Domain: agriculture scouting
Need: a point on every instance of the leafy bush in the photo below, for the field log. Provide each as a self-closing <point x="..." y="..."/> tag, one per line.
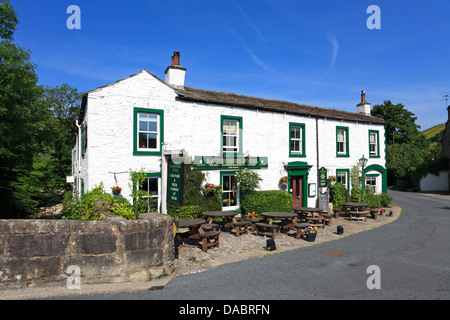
<point x="96" y="202"/>
<point x="247" y="180"/>
<point x="267" y="201"/>
<point x="386" y="199"/>
<point x="356" y="194"/>
<point x="185" y="212"/>
<point x="373" y="200"/>
<point x="338" y="194"/>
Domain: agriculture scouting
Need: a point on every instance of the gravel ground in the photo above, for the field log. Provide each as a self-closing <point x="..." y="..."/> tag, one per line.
<point x="191" y="259"/>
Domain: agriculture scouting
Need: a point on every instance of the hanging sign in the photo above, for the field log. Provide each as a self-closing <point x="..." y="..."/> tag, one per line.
<point x="322" y="177"/>
<point x="175" y="183"/>
<point x="230" y="162"/>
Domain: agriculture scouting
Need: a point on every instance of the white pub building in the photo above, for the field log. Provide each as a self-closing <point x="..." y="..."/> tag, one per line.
<point x="140" y="122"/>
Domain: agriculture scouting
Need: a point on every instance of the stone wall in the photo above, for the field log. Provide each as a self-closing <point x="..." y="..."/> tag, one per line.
<point x="41" y="251"/>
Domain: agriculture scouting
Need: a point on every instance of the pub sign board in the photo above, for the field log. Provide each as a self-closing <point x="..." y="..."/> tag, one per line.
<point x="230" y="162"/>
<point x="322" y="177"/>
<point x="175" y="183"/>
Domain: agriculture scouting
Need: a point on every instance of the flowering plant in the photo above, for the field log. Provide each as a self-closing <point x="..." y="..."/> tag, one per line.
<point x="253" y="215"/>
<point x="283" y="180"/>
<point x="116" y="189"/>
<point x="209" y="187"/>
<point x="310" y="230"/>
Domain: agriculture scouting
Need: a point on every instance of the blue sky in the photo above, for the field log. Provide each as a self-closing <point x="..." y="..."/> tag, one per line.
<point x="313" y="52"/>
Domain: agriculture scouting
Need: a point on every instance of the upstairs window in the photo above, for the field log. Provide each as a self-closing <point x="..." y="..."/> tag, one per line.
<point x="342" y="147"/>
<point x="231" y="134"/>
<point x="148" y="131"/>
<point x="297" y="140"/>
<point x="373" y="144"/>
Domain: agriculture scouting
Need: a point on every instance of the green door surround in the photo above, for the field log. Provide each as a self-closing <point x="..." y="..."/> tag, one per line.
<point x="380" y="169"/>
<point x="299" y="169"/>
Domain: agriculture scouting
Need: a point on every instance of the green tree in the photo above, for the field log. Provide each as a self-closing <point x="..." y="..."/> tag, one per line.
<point x="407" y="149"/>
<point x="21" y="115"/>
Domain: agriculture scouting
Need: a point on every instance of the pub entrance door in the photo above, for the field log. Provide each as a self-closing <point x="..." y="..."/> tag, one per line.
<point x="296" y="182"/>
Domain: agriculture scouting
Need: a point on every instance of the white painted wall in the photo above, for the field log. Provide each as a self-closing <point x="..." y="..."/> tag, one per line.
<point x="433" y="182"/>
<point x="195" y="127"/>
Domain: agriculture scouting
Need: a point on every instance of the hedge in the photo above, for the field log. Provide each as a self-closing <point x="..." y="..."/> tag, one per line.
<point x="267" y="201"/>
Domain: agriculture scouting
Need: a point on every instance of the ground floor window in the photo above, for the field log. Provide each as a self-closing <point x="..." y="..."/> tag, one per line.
<point x="371" y="182"/>
<point x="230" y="193"/>
<point x="342" y="177"/>
<point x="152" y="186"/>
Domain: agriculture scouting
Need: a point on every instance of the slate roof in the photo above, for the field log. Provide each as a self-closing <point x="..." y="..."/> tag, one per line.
<point x="237" y="100"/>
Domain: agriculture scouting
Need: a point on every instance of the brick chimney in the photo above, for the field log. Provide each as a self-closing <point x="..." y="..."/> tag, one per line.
<point x="363" y="107"/>
<point x="175" y="73"/>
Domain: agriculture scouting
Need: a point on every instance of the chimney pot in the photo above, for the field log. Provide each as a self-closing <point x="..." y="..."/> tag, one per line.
<point x="363" y="96"/>
<point x="176" y="58"/>
<point x="175" y="73"/>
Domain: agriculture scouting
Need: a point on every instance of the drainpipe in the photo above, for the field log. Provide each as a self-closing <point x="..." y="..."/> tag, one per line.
<point x="78" y="165"/>
<point x="317" y="156"/>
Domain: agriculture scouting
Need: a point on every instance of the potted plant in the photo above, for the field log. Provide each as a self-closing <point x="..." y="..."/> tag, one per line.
<point x="310" y="233"/>
<point x="283" y="183"/>
<point x="116" y="190"/>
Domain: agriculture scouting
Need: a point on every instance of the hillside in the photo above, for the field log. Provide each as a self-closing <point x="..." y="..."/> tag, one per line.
<point x="433" y="131"/>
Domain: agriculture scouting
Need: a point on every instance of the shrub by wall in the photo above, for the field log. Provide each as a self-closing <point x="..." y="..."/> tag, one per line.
<point x="267" y="201"/>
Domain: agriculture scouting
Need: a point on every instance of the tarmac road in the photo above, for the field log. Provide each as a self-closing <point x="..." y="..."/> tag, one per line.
<point x="411" y="259"/>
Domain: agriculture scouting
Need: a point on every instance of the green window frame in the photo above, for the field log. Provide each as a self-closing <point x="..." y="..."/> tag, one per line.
<point x="342" y="142"/>
<point x="297" y="140"/>
<point x="375" y="143"/>
<point x="83" y="139"/>
<point x="159" y="132"/>
<point x="236" y="206"/>
<point x="347" y="177"/>
<point x="224" y="135"/>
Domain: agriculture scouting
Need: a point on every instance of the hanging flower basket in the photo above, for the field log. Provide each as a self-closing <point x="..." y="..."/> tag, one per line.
<point x="116" y="190"/>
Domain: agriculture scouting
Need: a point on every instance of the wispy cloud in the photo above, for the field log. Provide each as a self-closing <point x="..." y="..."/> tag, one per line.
<point x="250" y="22"/>
<point x="333" y="40"/>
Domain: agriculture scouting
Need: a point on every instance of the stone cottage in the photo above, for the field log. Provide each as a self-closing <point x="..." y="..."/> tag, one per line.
<point x="144" y="122"/>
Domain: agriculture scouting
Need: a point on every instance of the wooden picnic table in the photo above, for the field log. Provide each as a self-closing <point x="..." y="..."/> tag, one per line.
<point x="194" y="225"/>
<point x="226" y="216"/>
<point x="355" y="205"/>
<point x="288" y="219"/>
<point x="303" y="212"/>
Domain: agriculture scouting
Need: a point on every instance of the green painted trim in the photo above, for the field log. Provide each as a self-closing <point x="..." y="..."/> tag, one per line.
<point x="83" y="138"/>
<point x="298" y="155"/>
<point x="381" y="170"/>
<point x="378" y="143"/>
<point x="299" y="168"/>
<point x="348" y="176"/>
<point x="222" y="173"/>
<point x="241" y="134"/>
<point x="347" y="142"/>
<point x="137" y="152"/>
<point x="148" y="174"/>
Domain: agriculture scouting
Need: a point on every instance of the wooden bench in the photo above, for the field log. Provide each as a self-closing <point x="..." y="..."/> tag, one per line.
<point x="300" y="229"/>
<point x="266" y="229"/>
<point x="241" y="227"/>
<point x="358" y="215"/>
<point x="328" y="218"/>
<point x="315" y="222"/>
<point x="210" y="226"/>
<point x="209" y="239"/>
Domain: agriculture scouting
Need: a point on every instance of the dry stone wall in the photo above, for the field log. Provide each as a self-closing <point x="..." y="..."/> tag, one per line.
<point x="44" y="251"/>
